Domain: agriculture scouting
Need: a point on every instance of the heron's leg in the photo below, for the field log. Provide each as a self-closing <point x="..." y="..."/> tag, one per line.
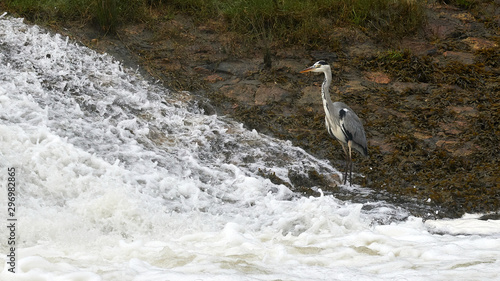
<point x="346" y="166"/>
<point x="349" y="143"/>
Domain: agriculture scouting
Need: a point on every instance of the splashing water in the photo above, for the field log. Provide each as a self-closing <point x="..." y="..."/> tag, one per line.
<point x="118" y="179"/>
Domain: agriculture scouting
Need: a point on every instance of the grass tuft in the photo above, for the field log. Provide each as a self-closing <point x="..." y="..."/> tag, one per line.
<point x="305" y="22"/>
<point x="107" y="14"/>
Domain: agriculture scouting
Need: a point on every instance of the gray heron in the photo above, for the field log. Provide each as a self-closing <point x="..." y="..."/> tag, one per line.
<point x="341" y="121"/>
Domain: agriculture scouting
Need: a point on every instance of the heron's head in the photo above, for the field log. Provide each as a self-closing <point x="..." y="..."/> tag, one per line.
<point x="319" y="66"/>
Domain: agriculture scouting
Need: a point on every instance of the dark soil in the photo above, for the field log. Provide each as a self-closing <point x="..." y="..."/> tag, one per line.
<point x="430" y="103"/>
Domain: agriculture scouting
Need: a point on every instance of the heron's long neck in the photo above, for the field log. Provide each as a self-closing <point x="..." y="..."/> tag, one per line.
<point x="325" y="88"/>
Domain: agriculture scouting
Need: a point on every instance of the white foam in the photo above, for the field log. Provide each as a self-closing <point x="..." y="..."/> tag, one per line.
<point x="469" y="224"/>
<point x="118" y="181"/>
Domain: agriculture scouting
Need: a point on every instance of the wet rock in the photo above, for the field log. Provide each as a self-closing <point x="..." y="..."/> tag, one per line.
<point x="377" y="77"/>
<point x="442" y="22"/>
<point x="170" y="66"/>
<point x="242" y="93"/>
<point x="479" y="43"/>
<point x="213" y="78"/>
<point x="440" y="28"/>
<point x="418" y="47"/>
<point x="465" y="58"/>
<point x="237" y="68"/>
<point x="464" y="17"/>
<point x="400" y="87"/>
<point x="427" y="119"/>
<point x="449" y="145"/>
<point x="366" y="49"/>
<point x="268" y="94"/>
<point x="453" y="128"/>
<point x="330" y="57"/>
<point x="353" y="86"/>
<point x="294" y="66"/>
<point x="464" y="110"/>
<point x="203" y="69"/>
<point x="380" y="142"/>
<point x="422" y="136"/>
<point x="310" y="95"/>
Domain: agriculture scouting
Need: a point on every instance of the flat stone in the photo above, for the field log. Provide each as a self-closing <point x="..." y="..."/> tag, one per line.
<point x="242" y="93"/>
<point x="465" y="150"/>
<point x="238" y="68"/>
<point x="403" y="86"/>
<point x="465" y="17"/>
<point x="440" y="28"/>
<point x="384" y="146"/>
<point x="457" y="149"/>
<point x="202" y="69"/>
<point x="213" y="78"/>
<point x="447" y="144"/>
<point x="169" y="66"/>
<point x="377" y="77"/>
<point x="421" y="136"/>
<point x="267" y="94"/>
<point x="329" y="57"/>
<point x="353" y="86"/>
<point x="453" y="128"/>
<point x="479" y="43"/>
<point x="464" y="110"/>
<point x="363" y="50"/>
<point x="465" y="58"/>
<point x="418" y="47"/>
<point x="293" y="64"/>
<point x="310" y="96"/>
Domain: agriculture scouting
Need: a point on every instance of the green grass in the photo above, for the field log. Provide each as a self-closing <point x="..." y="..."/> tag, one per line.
<point x="309" y="23"/>
<point x="304" y="22"/>
<point x="463" y="4"/>
<point x="107" y="14"/>
<point x="46" y="10"/>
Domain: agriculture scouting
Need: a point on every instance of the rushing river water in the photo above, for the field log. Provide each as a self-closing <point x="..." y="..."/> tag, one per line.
<point x="116" y="178"/>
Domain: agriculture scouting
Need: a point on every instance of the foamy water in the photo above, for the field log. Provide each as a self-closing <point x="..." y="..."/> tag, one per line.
<point x="118" y="179"/>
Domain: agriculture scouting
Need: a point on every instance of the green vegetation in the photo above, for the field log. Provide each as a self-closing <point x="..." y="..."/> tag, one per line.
<point x="304" y="22"/>
<point x="107" y="14"/>
<point x="464" y="4"/>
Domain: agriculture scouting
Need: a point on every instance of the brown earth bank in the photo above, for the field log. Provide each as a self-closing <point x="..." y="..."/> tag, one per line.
<point x="430" y="103"/>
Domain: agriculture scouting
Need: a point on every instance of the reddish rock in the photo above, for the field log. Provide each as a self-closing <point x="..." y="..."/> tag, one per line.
<point x="457" y="149"/>
<point x="439" y="28"/>
<point x="310" y="96"/>
<point x="352" y="86"/>
<point x="453" y="128"/>
<point x="267" y="94"/>
<point x="464" y="17"/>
<point x="377" y="77"/>
<point x="418" y="47"/>
<point x="421" y="136"/>
<point x="449" y="145"/>
<point x="169" y="66"/>
<point x="464" y="110"/>
<point x="213" y="78"/>
<point x="366" y="49"/>
<point x="465" y="150"/>
<point x="465" y="58"/>
<point x="384" y="146"/>
<point x="202" y="70"/>
<point x="403" y="86"/>
<point x="243" y="93"/>
<point x="479" y="43"/>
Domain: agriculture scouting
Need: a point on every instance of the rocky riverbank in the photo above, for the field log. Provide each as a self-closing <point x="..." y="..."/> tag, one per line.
<point x="430" y="103"/>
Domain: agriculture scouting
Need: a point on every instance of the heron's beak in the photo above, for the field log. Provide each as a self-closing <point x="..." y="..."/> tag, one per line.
<point x="307" y="69"/>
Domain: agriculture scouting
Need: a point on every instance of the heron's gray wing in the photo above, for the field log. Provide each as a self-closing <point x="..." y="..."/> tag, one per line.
<point x="353" y="129"/>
